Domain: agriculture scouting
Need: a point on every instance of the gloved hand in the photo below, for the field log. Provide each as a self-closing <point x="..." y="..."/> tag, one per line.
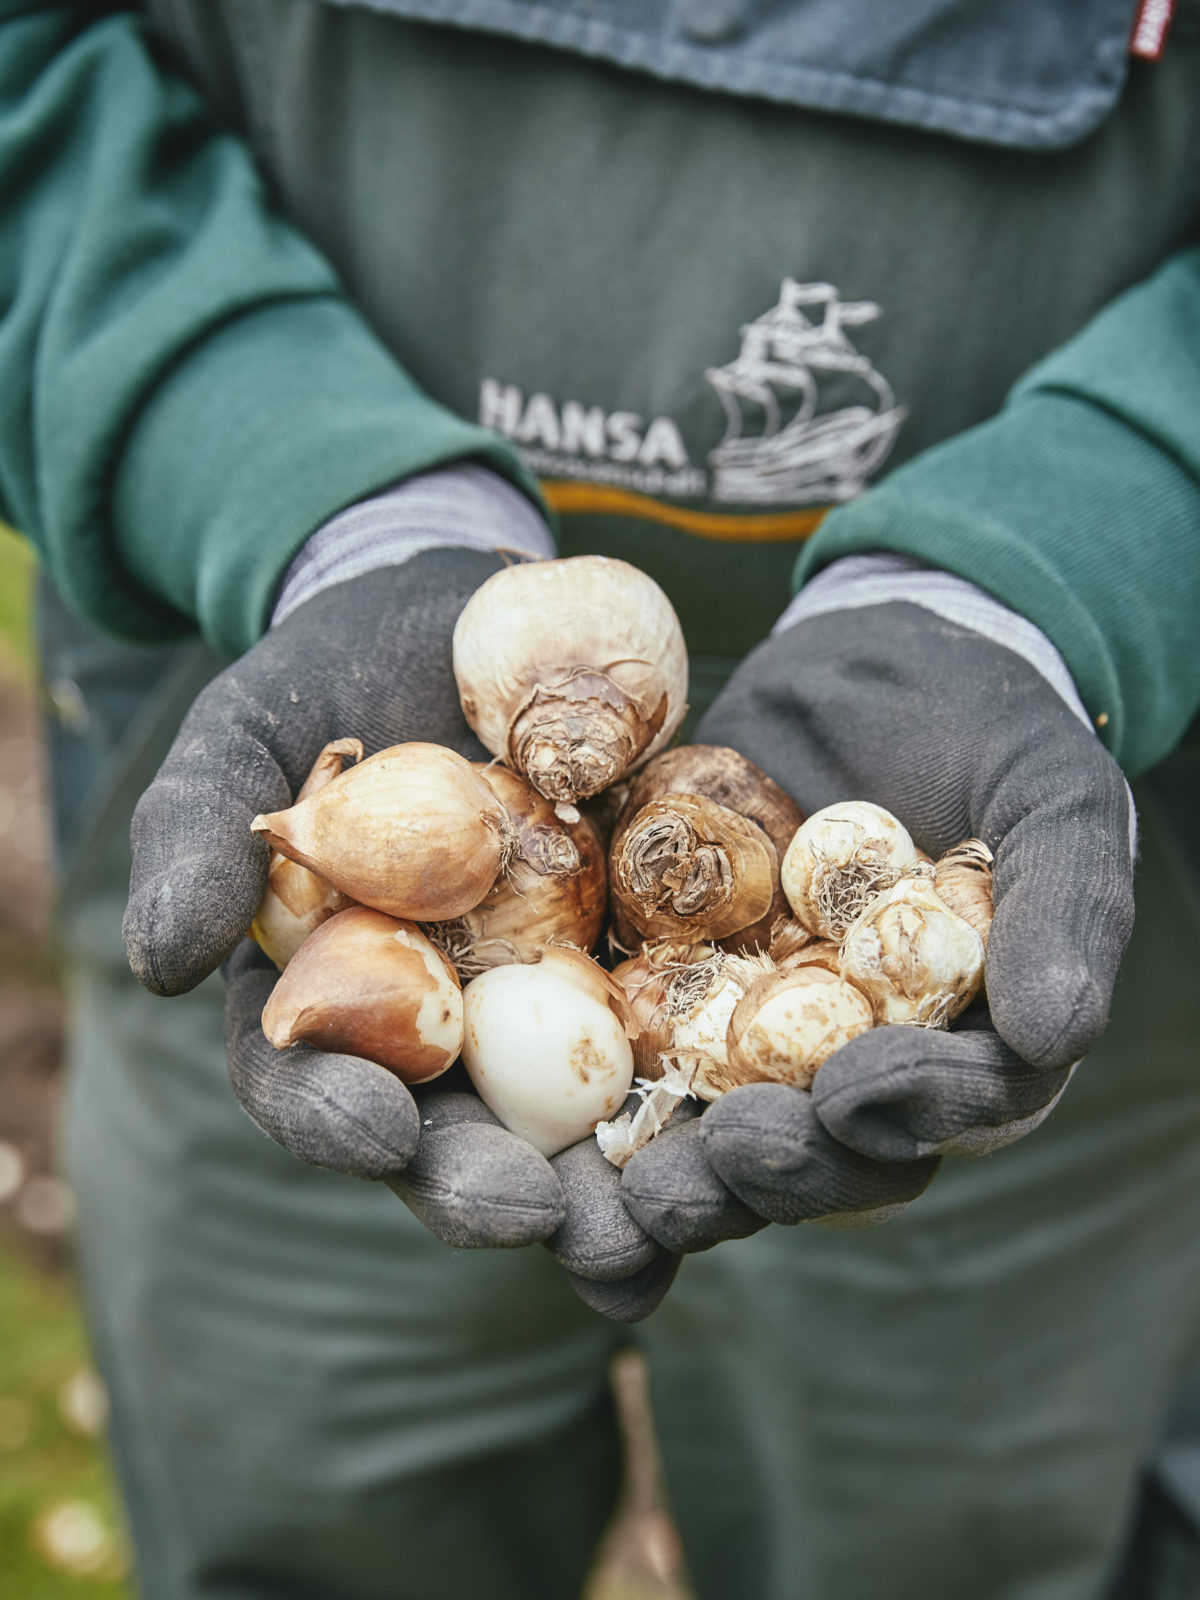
<point x="368" y="657"/>
<point x="959" y="737"/>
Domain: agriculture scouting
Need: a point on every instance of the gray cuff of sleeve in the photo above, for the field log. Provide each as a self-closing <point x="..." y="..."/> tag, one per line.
<point x="873" y="580"/>
<point x="464" y="506"/>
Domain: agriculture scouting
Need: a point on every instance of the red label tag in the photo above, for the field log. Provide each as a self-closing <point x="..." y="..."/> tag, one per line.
<point x="1150" y="29"/>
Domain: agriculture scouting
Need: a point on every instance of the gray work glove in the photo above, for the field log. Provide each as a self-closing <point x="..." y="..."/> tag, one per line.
<point x="368" y="657"/>
<point x="959" y="737"/>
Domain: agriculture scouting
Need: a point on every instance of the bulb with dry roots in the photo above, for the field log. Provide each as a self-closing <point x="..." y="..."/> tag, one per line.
<point x="296" y="901"/>
<point x="696" y="853"/>
<point x="915" y="959"/>
<point x="414" y="831"/>
<point x="732" y="1020"/>
<point x="548" y="1048"/>
<point x="649" y="981"/>
<point x="842" y="856"/>
<point x="366" y="984"/>
<point x="552" y="890"/>
<point x="788" y="1024"/>
<point x="573" y="672"/>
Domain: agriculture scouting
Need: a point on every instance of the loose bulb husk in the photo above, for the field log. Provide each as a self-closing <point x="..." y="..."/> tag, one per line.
<point x="414" y="831"/>
<point x="696" y="854"/>
<point x="963" y="879"/>
<point x="788" y="1024"/>
<point x="842" y="856"/>
<point x="573" y="671"/>
<point x="788" y="939"/>
<point x="818" y="953"/>
<point x="296" y="901"/>
<point x="369" y="985"/>
<point x="548" y="1048"/>
<point x="914" y="958"/>
<point x="553" y="889"/>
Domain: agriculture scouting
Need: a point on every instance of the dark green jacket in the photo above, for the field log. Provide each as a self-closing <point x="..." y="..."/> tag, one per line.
<point x="702" y="315"/>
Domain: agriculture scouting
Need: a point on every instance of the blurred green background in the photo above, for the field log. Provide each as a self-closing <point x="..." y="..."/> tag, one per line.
<point x="59" y="1525"/>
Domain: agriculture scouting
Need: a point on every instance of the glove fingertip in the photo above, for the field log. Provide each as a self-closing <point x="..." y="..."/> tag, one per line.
<point x="1050" y="1012"/>
<point x="631" y="1299"/>
<point x="181" y="926"/>
<point x="477" y="1186"/>
<point x="671" y="1188"/>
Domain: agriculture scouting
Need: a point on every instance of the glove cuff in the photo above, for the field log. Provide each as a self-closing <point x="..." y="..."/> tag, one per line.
<point x="872" y="580"/>
<point x="465" y="506"/>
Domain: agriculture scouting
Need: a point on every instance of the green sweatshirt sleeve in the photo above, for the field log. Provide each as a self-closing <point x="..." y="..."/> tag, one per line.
<point x="185" y="393"/>
<point x="1078" y="506"/>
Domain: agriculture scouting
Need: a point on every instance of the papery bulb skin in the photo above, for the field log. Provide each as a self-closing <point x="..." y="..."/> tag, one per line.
<point x="914" y="958"/>
<point x="414" y="831"/>
<point x="296" y="901"/>
<point x="369" y="985"/>
<point x="788" y="1024"/>
<point x="842" y="856"/>
<point x="553" y="889"/>
<point x="547" y="1048"/>
<point x="702" y="1001"/>
<point x="647" y="980"/>
<point x="696" y="852"/>
<point x="573" y="672"/>
<point x="963" y="879"/>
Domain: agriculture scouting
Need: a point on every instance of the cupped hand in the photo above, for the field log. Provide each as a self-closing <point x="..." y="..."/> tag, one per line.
<point x="959" y="737"/>
<point x="369" y="658"/>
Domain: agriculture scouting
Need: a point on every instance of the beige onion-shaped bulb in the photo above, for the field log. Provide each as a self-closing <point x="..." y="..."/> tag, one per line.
<point x="914" y="958"/>
<point x="414" y="831"/>
<point x="553" y="889"/>
<point x="572" y="671"/>
<point x="789" y="1023"/>
<point x="369" y="985"/>
<point x="296" y="901"/>
<point x="842" y="856"/>
<point x="548" y="1048"/>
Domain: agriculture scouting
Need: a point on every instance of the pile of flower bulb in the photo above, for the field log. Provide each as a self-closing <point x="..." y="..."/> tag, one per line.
<point x="424" y="908"/>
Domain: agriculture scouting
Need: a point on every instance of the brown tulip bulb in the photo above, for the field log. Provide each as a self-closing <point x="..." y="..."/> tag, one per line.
<point x="366" y="984"/>
<point x="414" y="831"/>
<point x="297" y="901"/>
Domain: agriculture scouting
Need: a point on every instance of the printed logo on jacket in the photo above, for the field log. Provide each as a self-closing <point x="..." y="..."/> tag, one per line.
<point x="807" y="420"/>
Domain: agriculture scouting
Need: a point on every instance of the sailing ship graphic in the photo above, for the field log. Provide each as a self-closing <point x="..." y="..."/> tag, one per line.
<point x="801" y="454"/>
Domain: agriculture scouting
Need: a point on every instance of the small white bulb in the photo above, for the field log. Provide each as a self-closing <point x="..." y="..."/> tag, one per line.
<point x="546" y="1051"/>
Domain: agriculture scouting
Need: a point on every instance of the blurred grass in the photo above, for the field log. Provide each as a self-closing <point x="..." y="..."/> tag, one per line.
<point x="17" y="567"/>
<point x="60" y="1533"/>
<point x="47" y="1467"/>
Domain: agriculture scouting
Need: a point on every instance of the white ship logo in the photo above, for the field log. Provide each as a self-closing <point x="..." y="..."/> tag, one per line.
<point x="800" y="454"/>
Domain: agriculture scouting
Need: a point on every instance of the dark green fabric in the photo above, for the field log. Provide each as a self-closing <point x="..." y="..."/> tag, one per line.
<point x="1079" y="506"/>
<point x="565" y="230"/>
<point x="184" y="392"/>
